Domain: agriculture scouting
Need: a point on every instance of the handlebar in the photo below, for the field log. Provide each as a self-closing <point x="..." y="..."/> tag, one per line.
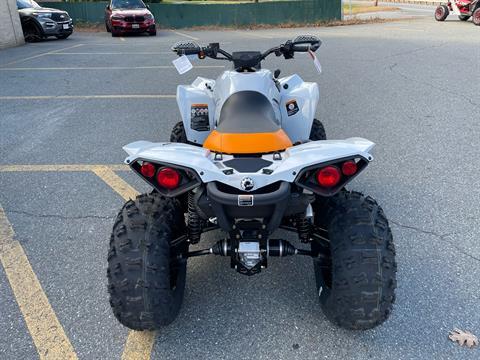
<point x="301" y="43"/>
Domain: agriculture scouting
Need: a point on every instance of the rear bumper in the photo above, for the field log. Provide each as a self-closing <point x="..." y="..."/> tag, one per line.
<point x="265" y="199"/>
<point x="272" y="206"/>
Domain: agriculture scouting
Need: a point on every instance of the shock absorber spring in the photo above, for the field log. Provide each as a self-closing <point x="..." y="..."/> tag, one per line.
<point x="303" y="228"/>
<point x="194" y="221"/>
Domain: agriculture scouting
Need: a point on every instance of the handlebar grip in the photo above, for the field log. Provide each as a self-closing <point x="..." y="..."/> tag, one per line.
<point x="302" y="48"/>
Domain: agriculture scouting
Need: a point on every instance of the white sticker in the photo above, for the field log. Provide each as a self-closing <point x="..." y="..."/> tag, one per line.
<point x="316" y="62"/>
<point x="182" y="64"/>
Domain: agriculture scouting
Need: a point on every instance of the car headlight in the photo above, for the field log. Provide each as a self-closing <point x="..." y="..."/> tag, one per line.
<point x="148" y="16"/>
<point x="43" y="15"/>
<point x="116" y="17"/>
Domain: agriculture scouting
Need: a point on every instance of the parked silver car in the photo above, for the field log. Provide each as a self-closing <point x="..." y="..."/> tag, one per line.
<point x="39" y="23"/>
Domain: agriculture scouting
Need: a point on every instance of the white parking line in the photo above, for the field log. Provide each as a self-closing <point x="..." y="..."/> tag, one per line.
<point x="114" y="53"/>
<point x="74" y="97"/>
<point x="105" y="68"/>
<point x="42" y="54"/>
<point x="255" y="35"/>
<point x="186" y="35"/>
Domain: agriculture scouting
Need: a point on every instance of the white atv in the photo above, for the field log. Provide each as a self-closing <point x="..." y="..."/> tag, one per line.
<point x="249" y="158"/>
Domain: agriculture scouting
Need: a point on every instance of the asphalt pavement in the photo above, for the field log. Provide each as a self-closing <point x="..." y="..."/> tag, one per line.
<point x="410" y="86"/>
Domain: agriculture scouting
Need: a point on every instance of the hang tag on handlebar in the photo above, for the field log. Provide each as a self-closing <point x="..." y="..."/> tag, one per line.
<point x="182" y="64"/>
<point x="316" y="62"/>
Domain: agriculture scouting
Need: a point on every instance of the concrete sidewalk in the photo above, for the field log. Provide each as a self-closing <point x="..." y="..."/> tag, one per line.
<point x="414" y="2"/>
<point x="405" y="11"/>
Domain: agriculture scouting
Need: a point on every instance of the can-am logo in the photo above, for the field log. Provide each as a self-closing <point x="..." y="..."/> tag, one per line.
<point x="247" y="184"/>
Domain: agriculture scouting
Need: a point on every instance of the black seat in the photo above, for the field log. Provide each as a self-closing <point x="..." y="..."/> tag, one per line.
<point x="247" y="112"/>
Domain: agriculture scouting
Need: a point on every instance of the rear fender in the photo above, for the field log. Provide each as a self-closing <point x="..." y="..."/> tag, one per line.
<point x="284" y="166"/>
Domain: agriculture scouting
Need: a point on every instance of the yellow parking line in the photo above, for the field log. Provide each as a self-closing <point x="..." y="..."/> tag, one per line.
<point x="59" y="168"/>
<point x="139" y="343"/>
<point x="115" y="182"/>
<point x="46" y="331"/>
<point x="42" y="54"/>
<point x="105" y="68"/>
<point x="73" y="97"/>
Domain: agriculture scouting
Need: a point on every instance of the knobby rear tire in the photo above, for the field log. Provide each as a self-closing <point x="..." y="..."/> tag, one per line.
<point x="318" y="131"/>
<point x="145" y="282"/>
<point x="178" y="134"/>
<point x="359" y="291"/>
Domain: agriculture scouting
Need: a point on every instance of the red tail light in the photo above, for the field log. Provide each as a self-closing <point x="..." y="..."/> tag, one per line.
<point x="349" y="168"/>
<point x="168" y="178"/>
<point x="329" y="176"/>
<point x="147" y="169"/>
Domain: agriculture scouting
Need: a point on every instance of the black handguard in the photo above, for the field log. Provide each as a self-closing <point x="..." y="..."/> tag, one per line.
<point x="304" y="43"/>
<point x="186" y="48"/>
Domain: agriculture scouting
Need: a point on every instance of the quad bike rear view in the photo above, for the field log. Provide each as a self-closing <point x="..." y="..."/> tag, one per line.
<point x="464" y="9"/>
<point x="249" y="158"/>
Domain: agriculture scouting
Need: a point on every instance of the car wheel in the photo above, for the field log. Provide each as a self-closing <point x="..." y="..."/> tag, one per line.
<point x="107" y="27"/>
<point x="441" y="13"/>
<point x="31" y="32"/>
<point x="153" y="33"/>
<point x="476" y="17"/>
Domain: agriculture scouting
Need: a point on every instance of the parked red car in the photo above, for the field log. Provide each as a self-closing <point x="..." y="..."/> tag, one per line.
<point x="129" y="16"/>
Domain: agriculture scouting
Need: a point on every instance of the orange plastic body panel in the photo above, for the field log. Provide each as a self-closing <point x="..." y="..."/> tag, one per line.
<point x="248" y="143"/>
